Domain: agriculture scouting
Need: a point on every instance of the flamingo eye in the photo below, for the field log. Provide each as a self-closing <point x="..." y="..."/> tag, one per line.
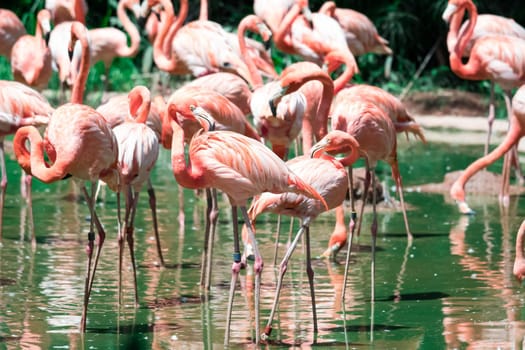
<point x="226" y="64"/>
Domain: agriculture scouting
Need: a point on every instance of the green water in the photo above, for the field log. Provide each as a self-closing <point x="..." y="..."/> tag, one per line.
<point x="453" y="288"/>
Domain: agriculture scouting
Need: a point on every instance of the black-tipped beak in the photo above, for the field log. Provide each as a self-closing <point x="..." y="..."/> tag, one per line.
<point x="273" y="107"/>
<point x="46" y="38"/>
<point x="70" y="52"/>
<point x="268" y="44"/>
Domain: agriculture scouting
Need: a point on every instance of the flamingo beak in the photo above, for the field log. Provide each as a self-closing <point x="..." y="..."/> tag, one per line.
<point x="275" y="99"/>
<point x="449" y="11"/>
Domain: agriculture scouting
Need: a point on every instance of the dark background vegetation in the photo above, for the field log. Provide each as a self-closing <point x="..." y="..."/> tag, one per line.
<point x="412" y="26"/>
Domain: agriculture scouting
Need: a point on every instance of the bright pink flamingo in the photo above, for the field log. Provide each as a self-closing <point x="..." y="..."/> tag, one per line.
<point x="226" y="116"/>
<point x="329" y="178"/>
<point x="138" y="149"/>
<point x="30" y="56"/>
<point x="497" y="58"/>
<point x="376" y="134"/>
<point x="78" y="142"/>
<point x="197" y="48"/>
<point x="515" y="133"/>
<point x="485" y="25"/>
<point x="239" y="166"/>
<point x="11" y="28"/>
<point x="20" y="106"/>
<point x="67" y="10"/>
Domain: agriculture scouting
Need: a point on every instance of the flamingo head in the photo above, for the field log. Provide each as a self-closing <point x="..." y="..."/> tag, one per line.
<point x="337" y="142"/>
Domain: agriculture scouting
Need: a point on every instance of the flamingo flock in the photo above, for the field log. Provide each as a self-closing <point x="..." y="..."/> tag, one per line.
<point x="230" y="130"/>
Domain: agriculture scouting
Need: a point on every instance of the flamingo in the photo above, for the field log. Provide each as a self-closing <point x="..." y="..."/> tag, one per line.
<point x="514" y="134"/>
<point x="497" y="58"/>
<point x="486" y="25"/>
<point x="197" y="48"/>
<point x="138" y="149"/>
<point x="361" y="34"/>
<point x="328" y="177"/>
<point x="20" y="106"/>
<point x="116" y="111"/>
<point x="226" y="116"/>
<point x="376" y="134"/>
<point x="78" y="142"/>
<point x="239" y="166"/>
<point x="30" y="56"/>
<point x="67" y="10"/>
<point x="11" y="29"/>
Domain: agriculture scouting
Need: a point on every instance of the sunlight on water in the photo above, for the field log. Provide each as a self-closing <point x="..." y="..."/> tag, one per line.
<point x="453" y="288"/>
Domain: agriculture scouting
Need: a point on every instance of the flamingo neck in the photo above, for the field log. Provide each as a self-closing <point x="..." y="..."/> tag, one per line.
<point x="140" y="105"/>
<point x="186" y="175"/>
<point x="129" y="27"/>
<point x="469" y="69"/>
<point x="79" y="32"/>
<point x="279" y="36"/>
<point x="347" y="75"/>
<point x="162" y="57"/>
<point x="33" y="162"/>
<point x="203" y="14"/>
<point x="79" y="12"/>
<point x="515" y="133"/>
<point x="247" y="23"/>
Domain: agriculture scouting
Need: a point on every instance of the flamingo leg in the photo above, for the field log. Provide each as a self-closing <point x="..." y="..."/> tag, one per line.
<point x="212" y="214"/>
<point x="122" y="233"/>
<point x="153" y="206"/>
<point x="490" y="118"/>
<point x="282" y="270"/>
<point x="351" y="228"/>
<point x="236" y="267"/>
<point x="373" y="231"/>
<point x="131" y="242"/>
<point x="90" y="274"/>
<point x="310" y="274"/>
<point x="28" y="179"/>
<point x="397" y="177"/>
<point x="278" y="233"/>
<point x="257" y="267"/>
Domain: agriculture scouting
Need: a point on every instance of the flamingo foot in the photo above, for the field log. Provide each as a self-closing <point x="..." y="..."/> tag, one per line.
<point x="464" y="208"/>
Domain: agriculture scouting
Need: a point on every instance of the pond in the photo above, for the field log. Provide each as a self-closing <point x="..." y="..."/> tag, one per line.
<point x="452" y="288"/>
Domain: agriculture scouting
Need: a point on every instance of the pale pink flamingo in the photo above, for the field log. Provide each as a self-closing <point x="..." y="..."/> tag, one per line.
<point x="138" y="149"/>
<point x="11" y="28"/>
<point x="67" y="10"/>
<point x="239" y="166"/>
<point x="514" y="134"/>
<point x="61" y="62"/>
<point x="122" y="109"/>
<point x="497" y="58"/>
<point x="197" y="48"/>
<point x="20" y="106"/>
<point x="30" y="56"/>
<point x="376" y="134"/>
<point x="485" y="25"/>
<point x="78" y="142"/>
<point x="329" y="178"/>
<point x="361" y="34"/>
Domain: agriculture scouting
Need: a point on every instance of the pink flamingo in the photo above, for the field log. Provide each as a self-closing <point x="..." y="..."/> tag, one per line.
<point x="515" y="133"/>
<point x="328" y="177"/>
<point x="20" y="106"/>
<point x="11" y="29"/>
<point x="78" y="142"/>
<point x="497" y="58"/>
<point x="239" y="166"/>
<point x="485" y="25"/>
<point x="376" y="134"/>
<point x="30" y="56"/>
<point x="138" y="149"/>
<point x="197" y="48"/>
<point x="67" y="10"/>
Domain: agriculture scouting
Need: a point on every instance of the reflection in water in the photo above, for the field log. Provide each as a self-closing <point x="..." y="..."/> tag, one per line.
<point x="466" y="321"/>
<point x="452" y="288"/>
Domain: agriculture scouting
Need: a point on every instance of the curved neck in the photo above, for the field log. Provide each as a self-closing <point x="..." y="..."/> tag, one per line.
<point x="279" y="36"/>
<point x="33" y="162"/>
<point x="464" y="38"/>
<point x="350" y="70"/>
<point x="516" y="131"/>
<point x="79" y="11"/>
<point x="161" y="56"/>
<point x="79" y="32"/>
<point x="139" y="103"/>
<point x="185" y="174"/>
<point x="130" y="28"/>
<point x="249" y="23"/>
<point x="328" y="8"/>
<point x="179" y="21"/>
<point x="453" y="32"/>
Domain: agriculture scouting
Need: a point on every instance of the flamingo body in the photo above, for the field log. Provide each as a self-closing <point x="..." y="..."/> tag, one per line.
<point x="11" y="29"/>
